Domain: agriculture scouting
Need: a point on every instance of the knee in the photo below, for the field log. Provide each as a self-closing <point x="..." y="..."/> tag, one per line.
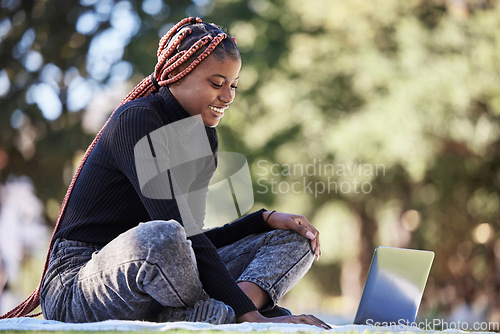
<point x="160" y="233"/>
<point x="296" y="244"/>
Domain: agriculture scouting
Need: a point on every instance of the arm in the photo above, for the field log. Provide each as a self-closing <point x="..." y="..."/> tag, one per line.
<point x="256" y="223"/>
<point x="252" y="223"/>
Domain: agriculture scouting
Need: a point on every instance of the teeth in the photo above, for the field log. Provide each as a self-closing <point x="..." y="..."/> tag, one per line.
<point x="217" y="110"/>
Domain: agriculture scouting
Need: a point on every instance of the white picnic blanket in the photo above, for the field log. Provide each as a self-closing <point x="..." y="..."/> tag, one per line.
<point x="33" y="324"/>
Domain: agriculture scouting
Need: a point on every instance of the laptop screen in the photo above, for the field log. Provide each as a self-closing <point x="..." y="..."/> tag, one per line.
<point x="394" y="286"/>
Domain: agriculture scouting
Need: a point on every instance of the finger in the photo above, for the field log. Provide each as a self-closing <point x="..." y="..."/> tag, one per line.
<point x="318" y="247"/>
<point x="304" y="227"/>
<point x="315" y="243"/>
<point x="313" y="232"/>
<point x="320" y="321"/>
<point x="304" y="222"/>
<point x="317" y="322"/>
<point x="310" y="233"/>
<point x="314" y="246"/>
<point x="313" y="240"/>
<point x="306" y="319"/>
<point x="301" y="228"/>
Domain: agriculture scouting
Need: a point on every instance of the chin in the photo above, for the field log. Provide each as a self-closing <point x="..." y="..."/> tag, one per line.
<point x="212" y="123"/>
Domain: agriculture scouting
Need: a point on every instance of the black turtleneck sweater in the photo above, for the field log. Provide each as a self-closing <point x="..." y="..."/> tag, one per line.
<point x="107" y="200"/>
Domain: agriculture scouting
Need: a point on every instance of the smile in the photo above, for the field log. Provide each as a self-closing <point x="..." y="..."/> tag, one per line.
<point x="219" y="111"/>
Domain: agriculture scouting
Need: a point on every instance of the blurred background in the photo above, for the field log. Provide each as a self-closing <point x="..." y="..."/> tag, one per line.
<point x="377" y="120"/>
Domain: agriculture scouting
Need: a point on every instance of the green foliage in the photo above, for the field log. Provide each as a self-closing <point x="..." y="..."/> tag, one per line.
<point x="407" y="85"/>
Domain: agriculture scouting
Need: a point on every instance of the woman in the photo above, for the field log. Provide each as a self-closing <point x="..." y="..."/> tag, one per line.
<point x="118" y="253"/>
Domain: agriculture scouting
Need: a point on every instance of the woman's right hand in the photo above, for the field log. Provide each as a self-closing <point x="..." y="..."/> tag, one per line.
<point x="308" y="319"/>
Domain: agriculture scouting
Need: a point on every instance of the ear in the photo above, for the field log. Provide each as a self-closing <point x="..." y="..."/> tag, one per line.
<point x="173" y="74"/>
<point x="176" y="71"/>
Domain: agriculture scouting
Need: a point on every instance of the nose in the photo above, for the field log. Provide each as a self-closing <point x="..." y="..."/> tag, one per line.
<point x="227" y="95"/>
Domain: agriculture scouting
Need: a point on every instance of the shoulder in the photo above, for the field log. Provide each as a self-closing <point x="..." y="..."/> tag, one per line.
<point x="134" y="120"/>
<point x="146" y="112"/>
<point x="144" y="107"/>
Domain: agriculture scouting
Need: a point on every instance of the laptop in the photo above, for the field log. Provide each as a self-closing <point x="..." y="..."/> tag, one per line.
<point x="394" y="286"/>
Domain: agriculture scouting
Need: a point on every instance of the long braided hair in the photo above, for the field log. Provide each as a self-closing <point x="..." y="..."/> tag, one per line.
<point x="180" y="50"/>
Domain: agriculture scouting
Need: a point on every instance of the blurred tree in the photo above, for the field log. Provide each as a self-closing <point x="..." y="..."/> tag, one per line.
<point x="411" y="86"/>
<point x="393" y="105"/>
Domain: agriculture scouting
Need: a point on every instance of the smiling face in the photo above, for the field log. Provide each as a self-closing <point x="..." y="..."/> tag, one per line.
<point x="209" y="88"/>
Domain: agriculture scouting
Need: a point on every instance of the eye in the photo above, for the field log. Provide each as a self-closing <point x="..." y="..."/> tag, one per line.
<point x="234" y="87"/>
<point x="216" y="84"/>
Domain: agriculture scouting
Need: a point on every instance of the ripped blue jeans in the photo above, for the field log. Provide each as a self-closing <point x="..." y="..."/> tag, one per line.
<point x="134" y="278"/>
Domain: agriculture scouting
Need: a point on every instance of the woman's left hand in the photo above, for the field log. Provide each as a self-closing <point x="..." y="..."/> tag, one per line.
<point x="297" y="223"/>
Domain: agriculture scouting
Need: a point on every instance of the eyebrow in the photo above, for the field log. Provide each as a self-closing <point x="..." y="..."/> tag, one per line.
<point x="223" y="77"/>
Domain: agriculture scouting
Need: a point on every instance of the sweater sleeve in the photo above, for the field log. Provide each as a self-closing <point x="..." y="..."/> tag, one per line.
<point x="133" y="125"/>
<point x="252" y="223"/>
